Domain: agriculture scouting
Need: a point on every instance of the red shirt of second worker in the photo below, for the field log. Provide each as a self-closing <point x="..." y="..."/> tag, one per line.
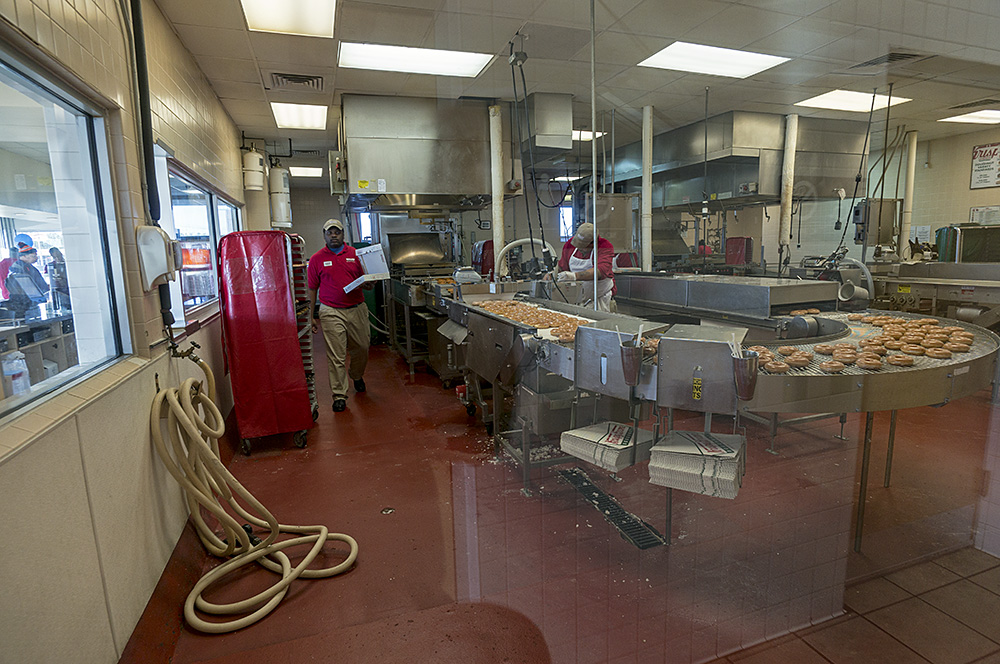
<point x="330" y="271"/>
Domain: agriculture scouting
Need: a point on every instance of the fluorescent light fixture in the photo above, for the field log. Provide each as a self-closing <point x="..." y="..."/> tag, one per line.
<point x="306" y="171"/>
<point x="567" y="178"/>
<point x="701" y="59"/>
<point x="978" y="117"/>
<point x="299" y="116"/>
<point x="586" y="135"/>
<point x="310" y="18"/>
<point x="846" y="100"/>
<point x="409" y="60"/>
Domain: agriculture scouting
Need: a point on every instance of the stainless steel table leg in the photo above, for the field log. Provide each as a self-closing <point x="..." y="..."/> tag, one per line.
<point x="774" y="434"/>
<point x="843" y="421"/>
<point x="525" y="459"/>
<point x="888" y="454"/>
<point x="670" y="419"/>
<point x="497" y="400"/>
<point x="863" y="491"/>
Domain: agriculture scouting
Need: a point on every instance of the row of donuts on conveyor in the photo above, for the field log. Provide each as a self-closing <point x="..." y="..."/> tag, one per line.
<point x="563" y="327"/>
<point x="900" y="341"/>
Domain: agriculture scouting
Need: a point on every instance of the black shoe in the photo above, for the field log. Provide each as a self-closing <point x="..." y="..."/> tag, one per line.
<point x="339" y="405"/>
<point x="359" y="385"/>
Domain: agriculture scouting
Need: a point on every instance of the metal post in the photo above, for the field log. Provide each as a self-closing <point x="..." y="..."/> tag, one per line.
<point x="670" y="500"/>
<point x="888" y="454"/>
<point x="774" y="434"/>
<point x="497" y="401"/>
<point x="843" y="421"/>
<point x="863" y="491"/>
<point x="497" y="184"/>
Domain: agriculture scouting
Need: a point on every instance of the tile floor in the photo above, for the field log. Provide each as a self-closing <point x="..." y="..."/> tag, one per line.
<point x="445" y="530"/>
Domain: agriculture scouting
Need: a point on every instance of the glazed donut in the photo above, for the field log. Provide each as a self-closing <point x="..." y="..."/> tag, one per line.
<point x="874" y="341"/>
<point x="928" y="321"/>
<point x="900" y="360"/>
<point x="912" y="338"/>
<point x="797" y="361"/>
<point x="802" y="353"/>
<point x="855" y="316"/>
<point x="776" y="367"/>
<point x="798" y="312"/>
<point x="867" y="319"/>
<point x="844" y="346"/>
<point x="759" y="349"/>
<point x="894" y="345"/>
<point x="893" y="334"/>
<point x="786" y="350"/>
<point x="823" y="349"/>
<point x="958" y="336"/>
<point x="869" y="363"/>
<point x="938" y="353"/>
<point x="812" y="310"/>
<point x="831" y="366"/>
<point x="932" y="343"/>
<point x="952" y="328"/>
<point x="913" y="349"/>
<point x="845" y="358"/>
<point x="956" y="347"/>
<point x="876" y="350"/>
<point x="943" y="336"/>
<point x="898" y="321"/>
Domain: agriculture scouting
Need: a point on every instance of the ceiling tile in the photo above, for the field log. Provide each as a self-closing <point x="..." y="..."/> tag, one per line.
<point x="800" y="38"/>
<point x="658" y="19"/>
<point x="552" y="42"/>
<point x="378" y="24"/>
<point x="796" y="7"/>
<point x="642" y="78"/>
<point x="573" y="13"/>
<point x="520" y="9"/>
<point x="229" y="69"/>
<point x="620" y="48"/>
<point x="237" y="90"/>
<point x="218" y="14"/>
<point x="370" y="82"/>
<point x="737" y="26"/>
<point x="201" y="40"/>
<point x="294" y="50"/>
<point x="442" y="87"/>
<point x="469" y="32"/>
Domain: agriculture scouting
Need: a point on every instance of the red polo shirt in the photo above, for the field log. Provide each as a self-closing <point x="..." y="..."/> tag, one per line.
<point x="328" y="273"/>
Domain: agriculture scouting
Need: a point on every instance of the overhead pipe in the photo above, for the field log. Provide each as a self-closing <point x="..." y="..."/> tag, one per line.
<point x="647" y="189"/>
<point x="787" y="185"/>
<point x="496" y="179"/>
<point x="911" y="173"/>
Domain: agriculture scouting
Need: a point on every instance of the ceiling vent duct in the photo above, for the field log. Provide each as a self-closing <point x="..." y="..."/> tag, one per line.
<point x="889" y="59"/>
<point x="989" y="101"/>
<point x="550" y="118"/>
<point x="307" y="82"/>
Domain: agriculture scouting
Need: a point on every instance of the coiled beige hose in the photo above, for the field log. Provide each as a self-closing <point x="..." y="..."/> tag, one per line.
<point x="192" y="458"/>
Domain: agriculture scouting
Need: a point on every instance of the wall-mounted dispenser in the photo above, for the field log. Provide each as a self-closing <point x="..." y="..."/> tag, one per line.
<point x="253" y="170"/>
<point x="281" y="200"/>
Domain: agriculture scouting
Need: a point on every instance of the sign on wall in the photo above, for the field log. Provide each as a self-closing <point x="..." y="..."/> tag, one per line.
<point x="985" y="166"/>
<point x="986" y="215"/>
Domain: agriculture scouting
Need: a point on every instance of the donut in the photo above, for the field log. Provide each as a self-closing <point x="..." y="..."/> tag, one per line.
<point x="928" y="321"/>
<point x="952" y="328"/>
<point x="894" y="345"/>
<point x="786" y="350"/>
<point x="831" y="366"/>
<point x="759" y="349"/>
<point x="867" y="319"/>
<point x="798" y="312"/>
<point x="957" y="336"/>
<point x="812" y="311"/>
<point x="938" y="353"/>
<point x="797" y="361"/>
<point x="875" y="350"/>
<point x="802" y="353"/>
<point x="823" y="349"/>
<point x="898" y="321"/>
<point x="855" y="317"/>
<point x="932" y="343"/>
<point x="845" y="346"/>
<point x="912" y="338"/>
<point x="900" y="360"/>
<point x="913" y="349"/>
<point x="776" y="367"/>
<point x="845" y="358"/>
<point x="942" y="336"/>
<point x="875" y="341"/>
<point x="956" y="347"/>
<point x="894" y="334"/>
<point x="870" y="363"/>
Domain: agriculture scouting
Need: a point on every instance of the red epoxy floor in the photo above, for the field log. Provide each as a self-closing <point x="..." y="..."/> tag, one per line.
<point x="456" y="564"/>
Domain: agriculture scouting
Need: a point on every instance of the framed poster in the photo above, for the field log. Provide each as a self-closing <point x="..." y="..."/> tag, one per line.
<point x="985" y="166"/>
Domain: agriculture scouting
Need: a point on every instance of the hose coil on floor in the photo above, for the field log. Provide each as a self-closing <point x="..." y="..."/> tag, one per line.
<point x="190" y="453"/>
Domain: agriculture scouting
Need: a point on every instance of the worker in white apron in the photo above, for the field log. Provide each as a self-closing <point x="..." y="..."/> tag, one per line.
<point x="577" y="264"/>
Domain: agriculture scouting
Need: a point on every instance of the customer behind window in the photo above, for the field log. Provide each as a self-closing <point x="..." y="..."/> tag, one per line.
<point x="4" y="270"/>
<point x="26" y="285"/>
<point x="704" y="249"/>
<point x="58" y="279"/>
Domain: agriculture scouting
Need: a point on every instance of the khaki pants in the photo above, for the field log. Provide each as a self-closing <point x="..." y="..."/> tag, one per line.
<point x="345" y="332"/>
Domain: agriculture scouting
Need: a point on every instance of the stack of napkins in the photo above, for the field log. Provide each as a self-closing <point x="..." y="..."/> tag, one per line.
<point x="607" y="444"/>
<point x="712" y="464"/>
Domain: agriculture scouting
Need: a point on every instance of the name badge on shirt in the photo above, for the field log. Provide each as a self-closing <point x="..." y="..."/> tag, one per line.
<point x="349" y="260"/>
<point x="327" y="263"/>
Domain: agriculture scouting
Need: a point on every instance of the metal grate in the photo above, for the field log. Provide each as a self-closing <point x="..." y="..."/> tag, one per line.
<point x="632" y="529"/>
<point x="293" y="81"/>
<point x="989" y="101"/>
<point x="887" y="59"/>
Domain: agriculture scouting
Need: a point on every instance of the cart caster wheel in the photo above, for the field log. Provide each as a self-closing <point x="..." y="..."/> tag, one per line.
<point x="315" y="413"/>
<point x="300" y="438"/>
<point x="245" y="446"/>
<point x="470" y="409"/>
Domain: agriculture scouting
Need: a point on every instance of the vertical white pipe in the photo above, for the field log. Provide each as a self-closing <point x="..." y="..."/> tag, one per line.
<point x="496" y="178"/>
<point x="787" y="180"/>
<point x="647" y="189"/>
<point x="911" y="173"/>
<point x="593" y="141"/>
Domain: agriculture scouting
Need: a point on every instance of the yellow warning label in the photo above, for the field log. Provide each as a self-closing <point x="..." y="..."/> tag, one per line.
<point x="696" y="389"/>
<point x="902" y="289"/>
<point x="363" y="184"/>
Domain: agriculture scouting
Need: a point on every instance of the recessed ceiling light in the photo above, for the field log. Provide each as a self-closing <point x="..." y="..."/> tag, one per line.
<point x="846" y="100"/>
<point x="310" y="18"/>
<point x="299" y="116"/>
<point x="978" y="117"/>
<point x="586" y="135"/>
<point x="306" y="171"/>
<point x="567" y="178"/>
<point x="701" y="59"/>
<point x="409" y="60"/>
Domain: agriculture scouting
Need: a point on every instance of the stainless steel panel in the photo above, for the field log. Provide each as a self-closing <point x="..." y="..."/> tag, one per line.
<point x="695" y="369"/>
<point x="489" y="342"/>
<point x="599" y="364"/>
<point x="406" y="293"/>
<point x="650" y="288"/>
<point x="952" y="271"/>
<point x="755" y="296"/>
<point x="551" y="120"/>
<point x="415" y="248"/>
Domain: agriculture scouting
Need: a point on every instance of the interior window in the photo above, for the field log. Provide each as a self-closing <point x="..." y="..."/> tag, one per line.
<point x="59" y="285"/>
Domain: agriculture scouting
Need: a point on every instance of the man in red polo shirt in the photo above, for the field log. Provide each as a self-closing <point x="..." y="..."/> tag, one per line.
<point x="343" y="316"/>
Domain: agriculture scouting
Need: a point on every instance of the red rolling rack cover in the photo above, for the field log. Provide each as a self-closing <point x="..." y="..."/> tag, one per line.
<point x="260" y="335"/>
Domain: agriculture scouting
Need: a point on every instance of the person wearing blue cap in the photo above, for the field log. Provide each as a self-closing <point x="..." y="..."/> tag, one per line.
<point x="26" y="285"/>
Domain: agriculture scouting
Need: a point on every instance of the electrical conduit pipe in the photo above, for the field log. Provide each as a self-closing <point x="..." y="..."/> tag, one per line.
<point x="518" y="243"/>
<point x="787" y="183"/>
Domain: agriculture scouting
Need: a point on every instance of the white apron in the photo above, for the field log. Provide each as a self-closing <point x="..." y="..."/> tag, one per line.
<point x="604" y="286"/>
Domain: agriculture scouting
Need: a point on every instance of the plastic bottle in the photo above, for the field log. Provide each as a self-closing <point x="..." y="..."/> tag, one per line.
<point x="15" y="367"/>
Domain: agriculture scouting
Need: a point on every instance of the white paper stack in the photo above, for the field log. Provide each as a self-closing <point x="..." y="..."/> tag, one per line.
<point x="712" y="464"/>
<point x="607" y="445"/>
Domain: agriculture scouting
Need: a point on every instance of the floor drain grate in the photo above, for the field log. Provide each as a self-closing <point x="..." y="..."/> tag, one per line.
<point x="633" y="529"/>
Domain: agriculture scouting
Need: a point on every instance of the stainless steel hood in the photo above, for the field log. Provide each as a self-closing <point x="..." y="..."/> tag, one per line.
<point x="744" y="157"/>
<point x="407" y="153"/>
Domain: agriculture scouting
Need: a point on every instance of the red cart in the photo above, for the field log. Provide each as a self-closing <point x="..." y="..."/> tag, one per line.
<point x="260" y="337"/>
